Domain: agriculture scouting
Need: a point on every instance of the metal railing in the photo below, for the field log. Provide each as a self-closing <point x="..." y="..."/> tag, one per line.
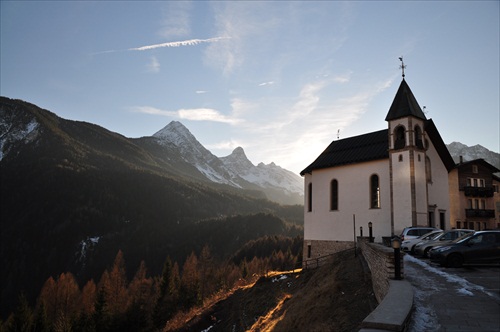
<point x="317" y="262"/>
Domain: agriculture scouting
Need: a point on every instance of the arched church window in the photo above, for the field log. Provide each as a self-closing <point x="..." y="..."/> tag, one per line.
<point x="374" y="192"/>
<point x="419" y="142"/>
<point x="309" y="197"/>
<point x="334" y="195"/>
<point x="428" y="171"/>
<point x="399" y="140"/>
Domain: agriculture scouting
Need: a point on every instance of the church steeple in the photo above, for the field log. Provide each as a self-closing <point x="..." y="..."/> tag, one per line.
<point x="404" y="104"/>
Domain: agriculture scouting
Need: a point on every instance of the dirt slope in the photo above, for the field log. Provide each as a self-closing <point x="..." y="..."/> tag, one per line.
<point x="334" y="297"/>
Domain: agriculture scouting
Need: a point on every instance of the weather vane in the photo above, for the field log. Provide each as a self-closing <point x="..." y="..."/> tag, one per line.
<point x="402" y="65"/>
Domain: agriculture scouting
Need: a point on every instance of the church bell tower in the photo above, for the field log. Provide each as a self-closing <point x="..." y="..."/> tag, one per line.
<point x="407" y="160"/>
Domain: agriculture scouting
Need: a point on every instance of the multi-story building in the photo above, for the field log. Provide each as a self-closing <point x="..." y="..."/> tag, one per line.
<point x="474" y="195"/>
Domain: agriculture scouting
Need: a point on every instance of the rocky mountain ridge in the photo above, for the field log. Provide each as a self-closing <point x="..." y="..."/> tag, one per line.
<point x="477" y="151"/>
<point x="236" y="169"/>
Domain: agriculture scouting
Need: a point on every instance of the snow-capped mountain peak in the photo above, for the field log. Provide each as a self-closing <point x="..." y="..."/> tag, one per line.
<point x="237" y="161"/>
<point x="235" y="169"/>
<point x="176" y="133"/>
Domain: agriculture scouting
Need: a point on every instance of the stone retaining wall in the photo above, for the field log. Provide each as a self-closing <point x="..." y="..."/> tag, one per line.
<point x="380" y="260"/>
<point x="321" y="249"/>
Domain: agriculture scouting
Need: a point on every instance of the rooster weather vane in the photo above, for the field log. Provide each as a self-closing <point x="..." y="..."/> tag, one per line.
<point x="402" y="66"/>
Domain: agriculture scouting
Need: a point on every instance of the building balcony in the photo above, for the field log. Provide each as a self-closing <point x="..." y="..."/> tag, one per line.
<point x="478" y="191"/>
<point x="479" y="213"/>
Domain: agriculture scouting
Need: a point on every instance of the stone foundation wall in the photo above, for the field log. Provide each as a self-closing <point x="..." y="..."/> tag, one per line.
<point x="320" y="249"/>
<point x="380" y="260"/>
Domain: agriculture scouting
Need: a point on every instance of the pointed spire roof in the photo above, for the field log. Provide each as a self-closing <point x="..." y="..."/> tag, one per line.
<point x="404" y="104"/>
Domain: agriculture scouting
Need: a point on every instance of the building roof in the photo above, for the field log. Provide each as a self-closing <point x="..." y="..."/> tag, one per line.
<point x="371" y="146"/>
<point x="479" y="161"/>
<point x="439" y="145"/>
<point x="404" y="104"/>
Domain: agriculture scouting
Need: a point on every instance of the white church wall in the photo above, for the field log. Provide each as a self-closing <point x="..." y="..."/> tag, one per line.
<point x="322" y="224"/>
<point x="439" y="199"/>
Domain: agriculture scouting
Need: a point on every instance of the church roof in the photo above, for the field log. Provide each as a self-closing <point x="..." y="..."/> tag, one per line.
<point x="404" y="104"/>
<point x="371" y="146"/>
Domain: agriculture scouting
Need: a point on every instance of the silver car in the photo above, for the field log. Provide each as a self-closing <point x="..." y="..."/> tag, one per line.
<point x="422" y="248"/>
<point x="409" y="245"/>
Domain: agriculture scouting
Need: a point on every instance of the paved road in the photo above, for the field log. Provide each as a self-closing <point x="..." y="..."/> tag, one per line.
<point x="461" y="299"/>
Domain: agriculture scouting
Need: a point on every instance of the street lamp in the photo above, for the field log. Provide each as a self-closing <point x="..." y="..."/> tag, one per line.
<point x="396" y="245"/>
<point x="370" y="231"/>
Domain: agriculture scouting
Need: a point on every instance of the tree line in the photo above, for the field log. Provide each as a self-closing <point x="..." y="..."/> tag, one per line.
<point x="147" y="303"/>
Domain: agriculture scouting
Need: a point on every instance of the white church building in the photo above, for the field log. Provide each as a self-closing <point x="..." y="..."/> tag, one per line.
<point x="393" y="178"/>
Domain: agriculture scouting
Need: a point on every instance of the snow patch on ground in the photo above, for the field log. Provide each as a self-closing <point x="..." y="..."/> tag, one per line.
<point x="465" y="287"/>
<point x="279" y="278"/>
<point x="84" y="246"/>
<point x="424" y="317"/>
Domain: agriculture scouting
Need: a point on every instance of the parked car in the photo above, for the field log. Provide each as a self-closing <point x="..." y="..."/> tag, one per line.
<point x="475" y="248"/>
<point x="415" y="231"/>
<point x="409" y="245"/>
<point x="422" y="248"/>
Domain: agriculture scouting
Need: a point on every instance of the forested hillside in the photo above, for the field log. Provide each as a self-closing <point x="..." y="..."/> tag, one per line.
<point x="73" y="195"/>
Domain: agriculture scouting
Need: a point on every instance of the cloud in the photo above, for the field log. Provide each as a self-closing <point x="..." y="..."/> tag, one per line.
<point x="224" y="145"/>
<point x="154" y="65"/>
<point x="205" y="114"/>
<point x="176" y="20"/>
<point x="200" y="91"/>
<point x="152" y="111"/>
<point x="266" y="83"/>
<point x="193" y="114"/>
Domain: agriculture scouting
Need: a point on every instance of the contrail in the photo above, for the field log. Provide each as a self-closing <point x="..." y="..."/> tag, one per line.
<point x="189" y="42"/>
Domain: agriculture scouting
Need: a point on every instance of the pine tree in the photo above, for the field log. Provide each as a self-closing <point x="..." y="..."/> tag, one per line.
<point x="115" y="287"/>
<point x="168" y="295"/>
<point x="190" y="282"/>
<point x="89" y="294"/>
<point x="101" y="316"/>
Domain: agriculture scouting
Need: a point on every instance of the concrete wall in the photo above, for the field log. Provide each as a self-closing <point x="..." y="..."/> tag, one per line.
<point x="380" y="260"/>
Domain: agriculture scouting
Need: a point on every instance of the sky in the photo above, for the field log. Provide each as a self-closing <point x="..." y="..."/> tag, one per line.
<point x="281" y="79"/>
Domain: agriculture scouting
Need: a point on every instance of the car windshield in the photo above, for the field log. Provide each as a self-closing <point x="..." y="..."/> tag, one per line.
<point x="433" y="235"/>
<point x="463" y="237"/>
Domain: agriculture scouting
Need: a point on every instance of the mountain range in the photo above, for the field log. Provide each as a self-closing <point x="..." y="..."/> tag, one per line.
<point x="72" y="194"/>
<point x="467" y="153"/>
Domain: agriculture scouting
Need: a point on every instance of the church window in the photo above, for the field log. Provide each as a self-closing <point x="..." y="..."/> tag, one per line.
<point x="309" y="197"/>
<point x="474" y="169"/>
<point x="400" y="158"/>
<point x="400" y="140"/>
<point x="374" y="192"/>
<point x="418" y="137"/>
<point x="308" y="251"/>
<point x="334" y="195"/>
<point x="428" y="170"/>
<point x="419" y="157"/>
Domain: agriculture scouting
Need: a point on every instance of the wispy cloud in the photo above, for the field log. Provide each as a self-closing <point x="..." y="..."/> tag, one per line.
<point x="266" y="83"/>
<point x="154" y="65"/>
<point x="193" y="114"/>
<point x="200" y="91"/>
<point x="176" y="20"/>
